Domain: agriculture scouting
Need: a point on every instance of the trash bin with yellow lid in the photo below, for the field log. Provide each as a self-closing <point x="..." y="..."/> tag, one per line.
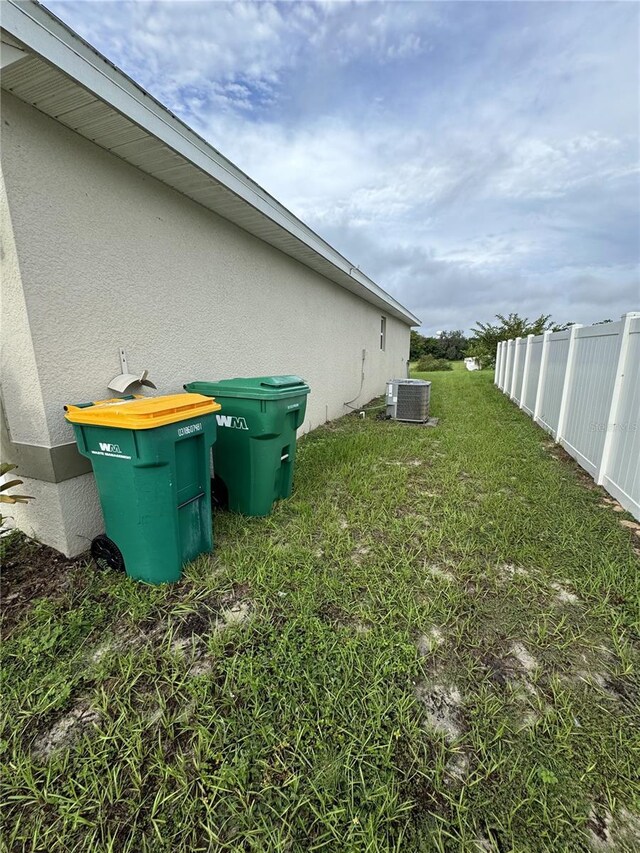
<point x="151" y="460"/>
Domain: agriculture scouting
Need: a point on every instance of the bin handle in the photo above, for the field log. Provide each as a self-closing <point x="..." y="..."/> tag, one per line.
<point x="78" y="406"/>
<point x="92" y="403"/>
<point x="191" y="500"/>
<point x="297" y="383"/>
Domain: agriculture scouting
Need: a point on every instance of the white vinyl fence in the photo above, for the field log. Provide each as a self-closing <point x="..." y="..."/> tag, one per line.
<point x="583" y="386"/>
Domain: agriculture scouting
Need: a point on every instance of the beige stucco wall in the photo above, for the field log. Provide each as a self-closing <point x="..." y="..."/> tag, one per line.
<point x="20" y="381"/>
<point x="110" y="257"/>
<point x="65" y="515"/>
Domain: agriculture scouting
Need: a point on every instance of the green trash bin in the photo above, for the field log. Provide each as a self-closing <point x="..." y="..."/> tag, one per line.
<point x="151" y="460"/>
<point x="255" y="451"/>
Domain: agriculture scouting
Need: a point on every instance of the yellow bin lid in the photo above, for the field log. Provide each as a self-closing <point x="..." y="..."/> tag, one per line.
<point x="142" y="412"/>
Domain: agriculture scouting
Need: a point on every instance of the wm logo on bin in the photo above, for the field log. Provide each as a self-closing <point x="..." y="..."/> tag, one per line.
<point x="109" y="448"/>
<point x="231" y="421"/>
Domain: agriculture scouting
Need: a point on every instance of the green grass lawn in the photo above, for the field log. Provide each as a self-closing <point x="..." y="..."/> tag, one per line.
<point x="432" y="646"/>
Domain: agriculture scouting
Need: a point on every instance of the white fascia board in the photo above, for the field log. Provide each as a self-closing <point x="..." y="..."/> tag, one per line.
<point x="48" y="37"/>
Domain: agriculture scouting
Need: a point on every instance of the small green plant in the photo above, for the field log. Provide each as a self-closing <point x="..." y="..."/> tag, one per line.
<point x="10" y="484"/>
<point x="428" y="363"/>
<point x="547" y="776"/>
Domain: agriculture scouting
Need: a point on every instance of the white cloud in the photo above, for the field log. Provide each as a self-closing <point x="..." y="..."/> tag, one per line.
<point x="550" y="169"/>
<point x="472" y="158"/>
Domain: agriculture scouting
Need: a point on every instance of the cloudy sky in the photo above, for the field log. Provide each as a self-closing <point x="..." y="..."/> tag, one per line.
<point x="472" y="158"/>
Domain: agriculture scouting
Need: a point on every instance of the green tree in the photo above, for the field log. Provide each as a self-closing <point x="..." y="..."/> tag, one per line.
<point x="452" y="345"/>
<point x="417" y="346"/>
<point x="448" y="345"/>
<point x="432" y="347"/>
<point x="487" y="336"/>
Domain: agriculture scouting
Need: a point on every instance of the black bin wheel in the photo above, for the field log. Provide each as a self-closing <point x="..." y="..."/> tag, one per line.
<point x="219" y="493"/>
<point x="106" y="554"/>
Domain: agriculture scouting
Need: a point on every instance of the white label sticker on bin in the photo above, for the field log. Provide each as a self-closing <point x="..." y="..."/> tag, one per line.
<point x="231" y="422"/>
<point x="293" y="406"/>
<point x="109" y="449"/>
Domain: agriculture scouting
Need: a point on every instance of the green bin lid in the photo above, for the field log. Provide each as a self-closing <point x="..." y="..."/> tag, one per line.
<point x="252" y="387"/>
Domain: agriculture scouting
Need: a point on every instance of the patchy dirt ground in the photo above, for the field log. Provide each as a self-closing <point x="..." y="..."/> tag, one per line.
<point x="443" y="708"/>
<point x="30" y="571"/>
<point x="67" y="729"/>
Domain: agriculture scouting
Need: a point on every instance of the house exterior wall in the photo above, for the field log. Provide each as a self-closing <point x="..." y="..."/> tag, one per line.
<point x="106" y="256"/>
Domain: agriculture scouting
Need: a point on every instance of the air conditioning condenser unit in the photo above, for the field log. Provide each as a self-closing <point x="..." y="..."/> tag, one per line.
<point x="408" y="400"/>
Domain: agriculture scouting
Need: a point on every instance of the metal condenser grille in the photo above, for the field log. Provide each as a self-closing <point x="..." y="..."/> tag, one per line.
<point x="413" y="402"/>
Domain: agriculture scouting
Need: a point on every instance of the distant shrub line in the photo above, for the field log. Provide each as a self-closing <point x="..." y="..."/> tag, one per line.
<point x="428" y="363"/>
